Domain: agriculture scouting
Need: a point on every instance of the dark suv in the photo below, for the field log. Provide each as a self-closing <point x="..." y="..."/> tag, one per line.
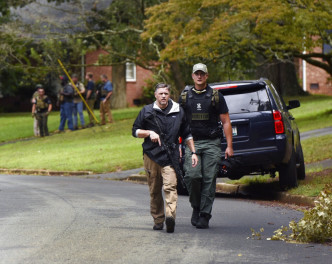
<point x="266" y="138"/>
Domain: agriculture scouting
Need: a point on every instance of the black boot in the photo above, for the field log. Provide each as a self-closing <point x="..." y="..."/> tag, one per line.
<point x="158" y="226"/>
<point x="195" y="216"/>
<point x="203" y="221"/>
<point x="170" y="223"/>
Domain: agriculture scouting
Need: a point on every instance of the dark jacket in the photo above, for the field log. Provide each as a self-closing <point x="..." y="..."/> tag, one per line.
<point x="68" y="93"/>
<point x="173" y="124"/>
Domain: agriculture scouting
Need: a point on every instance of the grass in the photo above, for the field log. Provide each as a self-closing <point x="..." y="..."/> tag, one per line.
<point x="315" y="112"/>
<point x="20" y="125"/>
<point x="317" y="149"/>
<point x="313" y="184"/>
<point x="98" y="149"/>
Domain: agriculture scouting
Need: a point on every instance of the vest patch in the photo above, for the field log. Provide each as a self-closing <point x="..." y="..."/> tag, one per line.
<point x="198" y="116"/>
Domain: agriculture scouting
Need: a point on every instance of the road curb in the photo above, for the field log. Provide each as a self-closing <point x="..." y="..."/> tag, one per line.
<point x="234" y="189"/>
<point x="283" y="197"/>
<point x="46" y="172"/>
<point x="137" y="178"/>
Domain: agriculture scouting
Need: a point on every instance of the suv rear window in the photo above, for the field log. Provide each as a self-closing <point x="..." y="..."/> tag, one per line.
<point x="247" y="101"/>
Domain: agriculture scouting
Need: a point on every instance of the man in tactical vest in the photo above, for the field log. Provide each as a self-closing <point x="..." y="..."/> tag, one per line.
<point x="78" y="103"/>
<point x="41" y="107"/>
<point x="105" y="100"/>
<point x="204" y="107"/>
<point x="90" y="96"/>
<point x="160" y="124"/>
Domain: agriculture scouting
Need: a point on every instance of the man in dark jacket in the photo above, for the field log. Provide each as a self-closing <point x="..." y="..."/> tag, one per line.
<point x="160" y="124"/>
<point x="66" y="110"/>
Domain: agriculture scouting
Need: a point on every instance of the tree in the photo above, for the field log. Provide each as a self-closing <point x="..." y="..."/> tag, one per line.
<point x="218" y="29"/>
<point x="71" y="27"/>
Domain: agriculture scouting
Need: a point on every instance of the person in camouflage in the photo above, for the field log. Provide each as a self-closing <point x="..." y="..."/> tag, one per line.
<point x="41" y="108"/>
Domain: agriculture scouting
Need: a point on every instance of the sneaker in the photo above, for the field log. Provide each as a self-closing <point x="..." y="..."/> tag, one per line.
<point x="170" y="223"/>
<point x="195" y="216"/>
<point x="158" y="226"/>
<point x="203" y="221"/>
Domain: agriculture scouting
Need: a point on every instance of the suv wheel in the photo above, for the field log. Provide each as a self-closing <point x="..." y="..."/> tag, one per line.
<point x="300" y="160"/>
<point x="288" y="173"/>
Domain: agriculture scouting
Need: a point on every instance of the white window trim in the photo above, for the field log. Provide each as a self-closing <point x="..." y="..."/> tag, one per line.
<point x="134" y="72"/>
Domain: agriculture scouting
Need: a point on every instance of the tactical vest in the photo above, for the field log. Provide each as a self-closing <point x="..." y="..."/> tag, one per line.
<point x="41" y="104"/>
<point x="76" y="95"/>
<point x="104" y="92"/>
<point x="202" y="111"/>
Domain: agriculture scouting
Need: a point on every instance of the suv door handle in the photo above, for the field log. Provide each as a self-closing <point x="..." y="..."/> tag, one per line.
<point x="291" y="118"/>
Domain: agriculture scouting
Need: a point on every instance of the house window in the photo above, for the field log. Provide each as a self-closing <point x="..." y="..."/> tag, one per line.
<point x="130" y="72"/>
<point x="314" y="86"/>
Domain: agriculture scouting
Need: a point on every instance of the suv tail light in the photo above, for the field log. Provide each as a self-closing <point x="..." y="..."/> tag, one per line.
<point x="278" y="123"/>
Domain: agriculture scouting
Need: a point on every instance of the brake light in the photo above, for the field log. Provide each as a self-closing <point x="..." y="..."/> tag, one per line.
<point x="180" y="140"/>
<point x="225" y="87"/>
<point x="278" y="123"/>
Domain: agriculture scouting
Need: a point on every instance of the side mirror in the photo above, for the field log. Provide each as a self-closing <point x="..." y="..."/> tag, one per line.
<point x="293" y="104"/>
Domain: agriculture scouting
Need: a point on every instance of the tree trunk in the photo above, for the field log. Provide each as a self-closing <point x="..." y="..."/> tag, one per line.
<point x="119" y="96"/>
<point x="282" y="75"/>
<point x="177" y="78"/>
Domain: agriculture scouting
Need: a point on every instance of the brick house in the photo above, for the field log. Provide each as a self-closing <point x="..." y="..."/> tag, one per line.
<point x="315" y="80"/>
<point x="136" y="76"/>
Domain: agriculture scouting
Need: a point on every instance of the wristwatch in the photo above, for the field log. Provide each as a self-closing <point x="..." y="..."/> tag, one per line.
<point x="192" y="153"/>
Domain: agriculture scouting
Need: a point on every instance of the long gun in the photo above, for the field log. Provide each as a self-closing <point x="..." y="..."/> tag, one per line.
<point x="173" y="158"/>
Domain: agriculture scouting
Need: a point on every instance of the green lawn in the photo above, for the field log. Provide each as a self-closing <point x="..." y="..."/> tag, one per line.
<point x="20" y="125"/>
<point x="315" y="112"/>
<point x="98" y="149"/>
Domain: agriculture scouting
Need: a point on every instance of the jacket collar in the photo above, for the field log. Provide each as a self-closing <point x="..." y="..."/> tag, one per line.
<point x="175" y="107"/>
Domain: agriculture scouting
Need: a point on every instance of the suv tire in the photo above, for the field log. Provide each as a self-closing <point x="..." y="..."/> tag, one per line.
<point x="288" y="173"/>
<point x="300" y="160"/>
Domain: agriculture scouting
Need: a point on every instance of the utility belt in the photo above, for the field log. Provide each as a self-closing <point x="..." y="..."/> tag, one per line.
<point x="212" y="134"/>
<point x="43" y="110"/>
<point x="196" y="138"/>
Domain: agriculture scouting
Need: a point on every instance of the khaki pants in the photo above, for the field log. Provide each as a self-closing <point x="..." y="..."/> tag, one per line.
<point x="158" y="178"/>
<point x="35" y="127"/>
<point x="105" y="108"/>
<point x="91" y="104"/>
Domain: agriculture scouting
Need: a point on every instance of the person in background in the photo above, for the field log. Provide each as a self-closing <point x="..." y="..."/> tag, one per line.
<point x="78" y="103"/>
<point x="90" y="96"/>
<point x="105" y="100"/>
<point x="66" y="97"/>
<point x="33" y="101"/>
<point x="41" y="109"/>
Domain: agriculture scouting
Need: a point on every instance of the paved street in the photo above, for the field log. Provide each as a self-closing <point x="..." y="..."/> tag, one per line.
<point x="76" y="220"/>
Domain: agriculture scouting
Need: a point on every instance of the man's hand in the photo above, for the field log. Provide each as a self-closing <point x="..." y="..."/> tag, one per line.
<point x="229" y="152"/>
<point x="104" y="101"/>
<point x="33" y="115"/>
<point x="194" y="160"/>
<point x="155" y="137"/>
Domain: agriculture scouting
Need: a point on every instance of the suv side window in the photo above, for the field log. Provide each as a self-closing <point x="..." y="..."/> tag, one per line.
<point x="279" y="101"/>
<point x="248" y="101"/>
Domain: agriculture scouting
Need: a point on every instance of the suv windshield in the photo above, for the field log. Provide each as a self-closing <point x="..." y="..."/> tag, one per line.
<point x="247" y="101"/>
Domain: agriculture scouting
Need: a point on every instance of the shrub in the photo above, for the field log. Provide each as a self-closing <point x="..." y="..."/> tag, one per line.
<point x="316" y="224"/>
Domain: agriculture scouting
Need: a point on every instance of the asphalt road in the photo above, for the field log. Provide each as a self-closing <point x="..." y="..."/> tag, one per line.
<point x="75" y="220"/>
